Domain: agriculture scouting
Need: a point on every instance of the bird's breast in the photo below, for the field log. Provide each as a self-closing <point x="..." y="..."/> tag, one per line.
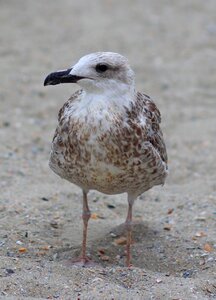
<point x="105" y="150"/>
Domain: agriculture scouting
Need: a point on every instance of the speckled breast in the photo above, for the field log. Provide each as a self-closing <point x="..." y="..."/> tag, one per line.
<point x="112" y="162"/>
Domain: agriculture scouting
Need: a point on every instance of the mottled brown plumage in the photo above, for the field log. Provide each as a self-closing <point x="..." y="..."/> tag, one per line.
<point x="134" y="150"/>
<point x="108" y="136"/>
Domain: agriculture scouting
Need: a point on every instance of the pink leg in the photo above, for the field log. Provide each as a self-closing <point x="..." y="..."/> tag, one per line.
<point x="86" y="216"/>
<point x="83" y="259"/>
<point x="128" y="224"/>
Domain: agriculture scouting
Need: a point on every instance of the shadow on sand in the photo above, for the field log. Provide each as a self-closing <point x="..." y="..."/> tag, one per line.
<point x="153" y="250"/>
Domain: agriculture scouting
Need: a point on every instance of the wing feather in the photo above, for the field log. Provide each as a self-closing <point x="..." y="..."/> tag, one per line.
<point x="154" y="135"/>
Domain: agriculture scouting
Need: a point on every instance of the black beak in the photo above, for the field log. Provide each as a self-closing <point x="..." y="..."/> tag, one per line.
<point x="61" y="77"/>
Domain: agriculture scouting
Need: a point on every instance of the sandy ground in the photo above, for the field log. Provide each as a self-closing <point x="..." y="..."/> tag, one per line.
<point x="172" y="48"/>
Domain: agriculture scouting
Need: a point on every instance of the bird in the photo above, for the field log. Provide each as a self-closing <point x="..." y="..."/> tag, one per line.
<point x="108" y="136"/>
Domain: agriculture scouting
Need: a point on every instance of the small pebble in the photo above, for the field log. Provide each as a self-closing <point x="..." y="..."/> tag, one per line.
<point x="22" y="250"/>
<point x="54" y="224"/>
<point x="96" y="199"/>
<point x="120" y="241"/>
<point x="55" y="256"/>
<point x="2" y="243"/>
<point x="187" y="274"/>
<point x="200" y="218"/>
<point x="102" y="273"/>
<point x="9" y="271"/>
<point x="170" y="211"/>
<point x="202" y="262"/>
<point x="97" y="279"/>
<point x="208" y="248"/>
<point x="56" y="295"/>
<point x="200" y="234"/>
<point x="105" y="258"/>
<point x="123" y="274"/>
<point x="6" y="124"/>
<point x="20" y="173"/>
<point x="113" y="234"/>
<point x="204" y="254"/>
<point x="44" y="199"/>
<point x="101" y="251"/>
<point x="111" y="206"/>
<point x="112" y="271"/>
<point x="19" y="243"/>
<point x="167" y="227"/>
<point x="10" y="254"/>
<point x="210" y="259"/>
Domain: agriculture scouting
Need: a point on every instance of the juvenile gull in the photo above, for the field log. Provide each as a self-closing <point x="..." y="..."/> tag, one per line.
<point x="108" y="136"/>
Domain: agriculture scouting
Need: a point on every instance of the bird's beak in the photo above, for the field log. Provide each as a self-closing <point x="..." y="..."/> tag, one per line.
<point x="63" y="76"/>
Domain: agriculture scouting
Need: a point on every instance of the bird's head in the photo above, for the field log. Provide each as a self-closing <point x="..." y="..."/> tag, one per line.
<point x="96" y="72"/>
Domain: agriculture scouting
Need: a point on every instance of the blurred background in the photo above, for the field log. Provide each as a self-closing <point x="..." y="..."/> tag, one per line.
<point x="171" y="45"/>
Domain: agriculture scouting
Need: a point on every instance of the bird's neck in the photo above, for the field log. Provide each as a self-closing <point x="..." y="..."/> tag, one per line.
<point x="109" y="95"/>
<point x="102" y="107"/>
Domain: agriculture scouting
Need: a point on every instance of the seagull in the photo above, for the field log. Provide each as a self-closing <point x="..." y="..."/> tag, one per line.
<point x="108" y="136"/>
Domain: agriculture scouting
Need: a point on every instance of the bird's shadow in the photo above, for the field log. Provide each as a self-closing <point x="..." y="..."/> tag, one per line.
<point x="154" y="250"/>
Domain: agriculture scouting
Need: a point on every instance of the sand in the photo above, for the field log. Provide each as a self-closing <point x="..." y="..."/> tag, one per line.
<point x="171" y="46"/>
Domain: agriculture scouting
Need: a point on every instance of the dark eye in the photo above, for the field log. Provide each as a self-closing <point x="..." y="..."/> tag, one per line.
<point x="100" y="68"/>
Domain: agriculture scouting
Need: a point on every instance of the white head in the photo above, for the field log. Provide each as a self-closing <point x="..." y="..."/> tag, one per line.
<point x="97" y="72"/>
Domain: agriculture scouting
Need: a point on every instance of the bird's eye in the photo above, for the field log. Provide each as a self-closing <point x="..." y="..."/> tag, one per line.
<point x="101" y="68"/>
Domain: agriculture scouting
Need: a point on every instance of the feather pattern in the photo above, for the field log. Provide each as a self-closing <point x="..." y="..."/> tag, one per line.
<point x="127" y="156"/>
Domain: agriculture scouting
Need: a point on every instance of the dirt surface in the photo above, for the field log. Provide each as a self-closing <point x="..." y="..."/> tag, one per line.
<point x="172" y="48"/>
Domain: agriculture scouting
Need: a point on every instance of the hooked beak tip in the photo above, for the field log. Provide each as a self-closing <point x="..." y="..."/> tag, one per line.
<point x="61" y="77"/>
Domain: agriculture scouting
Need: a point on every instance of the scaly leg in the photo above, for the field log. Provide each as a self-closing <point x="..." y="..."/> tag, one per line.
<point x="86" y="214"/>
<point x="128" y="224"/>
<point x="83" y="260"/>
